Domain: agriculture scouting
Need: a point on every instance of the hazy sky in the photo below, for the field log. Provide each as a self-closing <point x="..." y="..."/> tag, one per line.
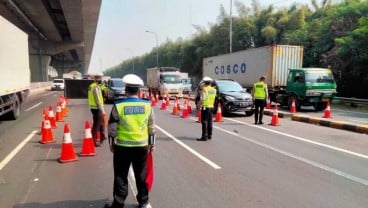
<point x="121" y="30"/>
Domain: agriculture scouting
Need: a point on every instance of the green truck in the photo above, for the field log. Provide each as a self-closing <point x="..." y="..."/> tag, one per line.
<point x="307" y="87"/>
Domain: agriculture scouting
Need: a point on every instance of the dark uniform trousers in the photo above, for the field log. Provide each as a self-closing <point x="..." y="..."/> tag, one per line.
<point x="207" y="116"/>
<point x="123" y="157"/>
<point x="259" y="105"/>
<point x="97" y="125"/>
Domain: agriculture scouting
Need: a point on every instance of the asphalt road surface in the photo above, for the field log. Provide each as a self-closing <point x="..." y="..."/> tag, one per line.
<point x="292" y="165"/>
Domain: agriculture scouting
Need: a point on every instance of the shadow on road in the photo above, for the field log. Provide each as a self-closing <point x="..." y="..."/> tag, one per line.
<point x="70" y="204"/>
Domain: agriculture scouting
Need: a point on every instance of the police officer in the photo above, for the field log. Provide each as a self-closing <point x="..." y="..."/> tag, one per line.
<point x="206" y="102"/>
<point x="96" y="104"/>
<point x="260" y="95"/>
<point x="131" y="137"/>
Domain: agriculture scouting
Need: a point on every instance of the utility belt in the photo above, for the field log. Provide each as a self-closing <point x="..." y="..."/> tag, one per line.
<point x="206" y="108"/>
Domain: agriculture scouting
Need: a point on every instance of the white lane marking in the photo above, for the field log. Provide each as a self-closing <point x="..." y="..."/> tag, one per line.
<point x="16" y="150"/>
<point x="47" y="94"/>
<point x="305" y="140"/>
<point x="204" y="159"/>
<point x="34" y="106"/>
<point x="133" y="185"/>
<point x="310" y="162"/>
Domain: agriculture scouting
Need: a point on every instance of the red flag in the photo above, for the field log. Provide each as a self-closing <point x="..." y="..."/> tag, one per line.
<point x="149" y="177"/>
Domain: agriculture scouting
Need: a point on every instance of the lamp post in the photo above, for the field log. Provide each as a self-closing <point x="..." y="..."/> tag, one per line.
<point x="231" y="26"/>
<point x="156" y="45"/>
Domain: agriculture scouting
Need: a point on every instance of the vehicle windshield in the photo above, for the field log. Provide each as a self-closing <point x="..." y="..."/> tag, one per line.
<point x="171" y="79"/>
<point x="186" y="81"/>
<point x="58" y="81"/>
<point x="229" y="86"/>
<point x="319" y="77"/>
<point x="117" y="83"/>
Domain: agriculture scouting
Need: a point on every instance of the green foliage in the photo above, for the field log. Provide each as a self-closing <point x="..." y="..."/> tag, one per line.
<point x="334" y="35"/>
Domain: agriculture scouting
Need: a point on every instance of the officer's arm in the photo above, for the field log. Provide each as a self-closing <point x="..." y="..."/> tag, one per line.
<point x="151" y="131"/>
<point x="113" y="125"/>
<point x="99" y="102"/>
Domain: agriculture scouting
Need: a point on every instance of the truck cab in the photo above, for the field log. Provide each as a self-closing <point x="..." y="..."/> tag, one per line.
<point x="310" y="87"/>
<point x="170" y="84"/>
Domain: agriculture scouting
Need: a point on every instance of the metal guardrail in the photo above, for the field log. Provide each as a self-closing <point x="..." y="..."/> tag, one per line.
<point x="353" y="101"/>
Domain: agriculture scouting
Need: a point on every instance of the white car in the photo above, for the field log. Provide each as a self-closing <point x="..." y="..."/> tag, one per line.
<point x="58" y="84"/>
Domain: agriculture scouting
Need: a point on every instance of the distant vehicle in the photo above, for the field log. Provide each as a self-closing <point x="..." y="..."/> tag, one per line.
<point x="186" y="82"/>
<point x="165" y="81"/>
<point x="14" y="67"/>
<point x="58" y="84"/>
<point x="115" y="89"/>
<point x="231" y="95"/>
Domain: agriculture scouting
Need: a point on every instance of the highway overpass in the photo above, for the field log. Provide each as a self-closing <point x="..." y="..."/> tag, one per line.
<point x="61" y="33"/>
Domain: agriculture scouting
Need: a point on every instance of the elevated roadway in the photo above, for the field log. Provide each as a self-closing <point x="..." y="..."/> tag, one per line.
<point x="61" y="32"/>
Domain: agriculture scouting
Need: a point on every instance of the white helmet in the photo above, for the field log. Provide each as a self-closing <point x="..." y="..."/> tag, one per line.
<point x="207" y="79"/>
<point x="133" y="80"/>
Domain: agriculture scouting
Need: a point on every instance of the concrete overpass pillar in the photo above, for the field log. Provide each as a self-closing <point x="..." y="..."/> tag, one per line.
<point x="39" y="67"/>
<point x="40" y="53"/>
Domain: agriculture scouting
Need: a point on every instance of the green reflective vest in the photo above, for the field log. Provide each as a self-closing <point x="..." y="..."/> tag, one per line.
<point x="132" y="130"/>
<point x="91" y="99"/>
<point x="210" y="95"/>
<point x="259" y="90"/>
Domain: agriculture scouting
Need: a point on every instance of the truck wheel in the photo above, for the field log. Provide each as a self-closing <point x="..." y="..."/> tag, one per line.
<point x="297" y="102"/>
<point x="320" y="106"/>
<point x="15" y="112"/>
<point x="249" y="113"/>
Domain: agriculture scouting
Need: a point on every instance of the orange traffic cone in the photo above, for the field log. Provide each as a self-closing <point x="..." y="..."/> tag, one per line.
<point x="268" y="105"/>
<point x="153" y="102"/>
<point x="175" y="110"/>
<point x="88" y="148"/>
<point x="218" y="114"/>
<point x="178" y="103"/>
<point x="167" y="101"/>
<point x="185" y="110"/>
<point x="67" y="148"/>
<point x="52" y="117"/>
<point x="293" y="108"/>
<point x="44" y="114"/>
<point x="59" y="114"/>
<point x="47" y="135"/>
<point x="275" y="117"/>
<point x="327" y="111"/>
<point x="199" y="115"/>
<point x="163" y="104"/>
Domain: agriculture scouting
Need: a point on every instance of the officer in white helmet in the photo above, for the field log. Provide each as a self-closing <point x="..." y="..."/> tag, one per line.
<point x="206" y="104"/>
<point x="131" y="133"/>
<point x="96" y="104"/>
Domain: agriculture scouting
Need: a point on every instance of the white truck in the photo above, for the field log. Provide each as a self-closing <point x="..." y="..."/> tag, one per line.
<point x="14" y="67"/>
<point x="165" y="81"/>
<point x="186" y="82"/>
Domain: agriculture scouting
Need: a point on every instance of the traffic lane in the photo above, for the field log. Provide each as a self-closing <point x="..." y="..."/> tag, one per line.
<point x="353" y="141"/>
<point x="190" y="181"/>
<point x="266" y="172"/>
<point x="335" y="156"/>
<point x="83" y="183"/>
<point x="18" y="166"/>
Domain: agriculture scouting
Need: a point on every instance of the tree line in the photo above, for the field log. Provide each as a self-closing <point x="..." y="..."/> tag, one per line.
<point x="333" y="35"/>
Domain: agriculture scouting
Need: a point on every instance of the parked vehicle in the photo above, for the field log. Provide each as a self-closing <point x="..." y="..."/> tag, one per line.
<point x="186" y="82"/>
<point x="58" y="84"/>
<point x="231" y="95"/>
<point x="14" y="66"/>
<point x="115" y="89"/>
<point x="164" y="81"/>
<point x="281" y="64"/>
